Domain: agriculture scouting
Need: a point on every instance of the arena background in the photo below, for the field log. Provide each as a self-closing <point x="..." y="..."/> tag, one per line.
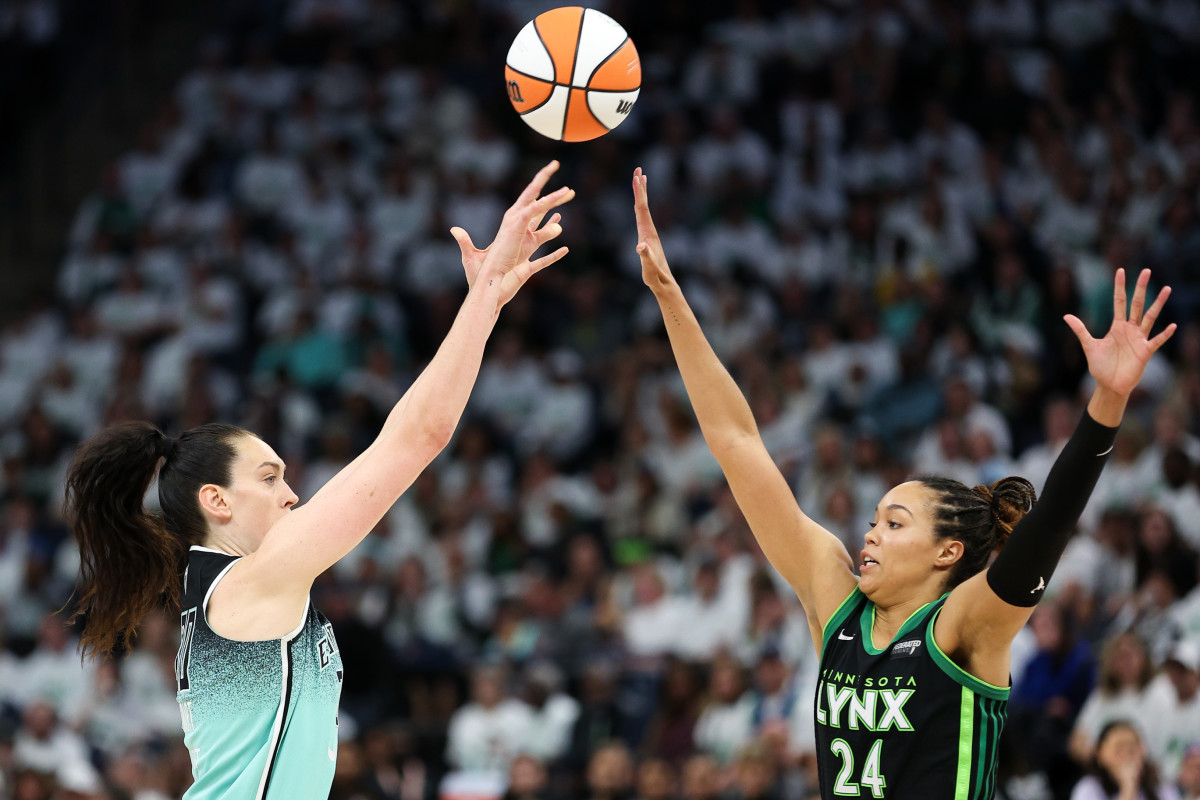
<point x="238" y="211"/>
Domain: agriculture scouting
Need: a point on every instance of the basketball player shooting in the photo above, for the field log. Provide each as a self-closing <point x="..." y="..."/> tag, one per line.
<point x="914" y="648"/>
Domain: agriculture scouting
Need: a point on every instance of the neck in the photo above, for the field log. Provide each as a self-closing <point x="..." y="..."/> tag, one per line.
<point x="226" y="544"/>
<point x="889" y="619"/>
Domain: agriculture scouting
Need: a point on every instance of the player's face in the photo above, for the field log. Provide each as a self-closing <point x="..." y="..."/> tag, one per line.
<point x="899" y="549"/>
<point x="258" y="496"/>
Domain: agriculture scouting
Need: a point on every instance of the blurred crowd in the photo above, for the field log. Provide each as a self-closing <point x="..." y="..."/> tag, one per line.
<point x="880" y="210"/>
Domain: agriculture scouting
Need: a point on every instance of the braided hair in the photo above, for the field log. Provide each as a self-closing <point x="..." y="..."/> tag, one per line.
<point x="981" y="517"/>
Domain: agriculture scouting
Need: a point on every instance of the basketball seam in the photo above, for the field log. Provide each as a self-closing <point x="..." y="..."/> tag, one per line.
<point x="571" y="80"/>
<point x="604" y="61"/>
<point x="549" y="97"/>
<point x="599" y="121"/>
<point x="613" y="91"/>
<point x="549" y="55"/>
<point x="578" y="39"/>
<point x="587" y="100"/>
<point x="553" y="86"/>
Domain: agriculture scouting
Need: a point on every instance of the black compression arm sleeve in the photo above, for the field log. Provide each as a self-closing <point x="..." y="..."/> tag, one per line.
<point x="1021" y="571"/>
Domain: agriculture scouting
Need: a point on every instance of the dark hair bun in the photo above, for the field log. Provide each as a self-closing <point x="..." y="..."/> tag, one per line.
<point x="1011" y="499"/>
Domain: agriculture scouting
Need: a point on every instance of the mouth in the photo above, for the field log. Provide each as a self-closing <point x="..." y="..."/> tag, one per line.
<point x="866" y="562"/>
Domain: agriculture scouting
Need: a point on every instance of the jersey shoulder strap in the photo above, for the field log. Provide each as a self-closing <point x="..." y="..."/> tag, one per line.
<point x="205" y="567"/>
<point x="853" y="603"/>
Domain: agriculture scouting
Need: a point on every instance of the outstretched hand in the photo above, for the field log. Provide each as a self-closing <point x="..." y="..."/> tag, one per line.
<point x="507" y="258"/>
<point x="1118" y="360"/>
<point x="655" y="271"/>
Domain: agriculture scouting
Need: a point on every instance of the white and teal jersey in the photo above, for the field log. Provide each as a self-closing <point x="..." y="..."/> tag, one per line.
<point x="260" y="719"/>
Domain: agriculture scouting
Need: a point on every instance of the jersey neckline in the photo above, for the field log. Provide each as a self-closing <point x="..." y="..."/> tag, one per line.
<point x="867" y="624"/>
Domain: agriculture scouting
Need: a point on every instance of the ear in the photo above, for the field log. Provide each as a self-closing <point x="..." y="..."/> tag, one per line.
<point x="213" y="504"/>
<point x="949" y="552"/>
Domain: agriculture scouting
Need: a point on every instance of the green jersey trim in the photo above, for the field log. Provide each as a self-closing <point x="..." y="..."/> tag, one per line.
<point x="966" y="738"/>
<point x="868" y="627"/>
<point x="839" y="616"/>
<point x="957" y="673"/>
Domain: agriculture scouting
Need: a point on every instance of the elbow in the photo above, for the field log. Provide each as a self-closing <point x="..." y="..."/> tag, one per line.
<point x="731" y="441"/>
<point x="433" y="437"/>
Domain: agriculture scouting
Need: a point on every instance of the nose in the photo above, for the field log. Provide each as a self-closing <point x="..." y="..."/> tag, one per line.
<point x="291" y="499"/>
<point x="871" y="537"/>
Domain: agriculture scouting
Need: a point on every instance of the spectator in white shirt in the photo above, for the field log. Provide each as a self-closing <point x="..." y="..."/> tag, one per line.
<point x="269" y="181"/>
<point x="717" y="74"/>
<point x="43" y="744"/>
<point x="651" y="627"/>
<point x="562" y="420"/>
<point x="486" y="734"/>
<point x="554" y="713"/>
<point x="263" y="84"/>
<point x="1170" y="431"/>
<point x="1120" y="694"/>
<point x="509" y="384"/>
<point x="729" y="148"/>
<point x="1173" y="708"/>
<point x="714" y="619"/>
<point x="808" y="33"/>
<point x="1059" y="417"/>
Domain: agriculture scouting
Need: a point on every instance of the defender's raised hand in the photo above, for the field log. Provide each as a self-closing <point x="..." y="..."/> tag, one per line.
<point x="507" y="258"/>
<point x="655" y="271"/>
<point x="1118" y="360"/>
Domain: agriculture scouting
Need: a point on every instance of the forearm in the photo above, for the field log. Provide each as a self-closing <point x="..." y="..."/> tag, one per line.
<point x="721" y="409"/>
<point x="435" y="401"/>
<point x="1107" y="407"/>
<point x="1028" y="559"/>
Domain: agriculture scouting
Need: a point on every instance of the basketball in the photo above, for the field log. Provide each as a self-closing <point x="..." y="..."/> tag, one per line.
<point x="573" y="74"/>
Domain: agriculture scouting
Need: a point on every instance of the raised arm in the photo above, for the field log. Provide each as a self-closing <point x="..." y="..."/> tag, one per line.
<point x="314" y="536"/>
<point x="812" y="560"/>
<point x="983" y="614"/>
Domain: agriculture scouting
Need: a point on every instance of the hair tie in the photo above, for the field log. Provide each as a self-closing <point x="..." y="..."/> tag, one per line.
<point x="167" y="447"/>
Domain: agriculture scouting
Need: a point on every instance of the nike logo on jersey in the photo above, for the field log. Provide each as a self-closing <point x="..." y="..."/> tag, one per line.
<point x="1041" y="585"/>
<point x="842" y="635"/>
<point x="1106" y="452"/>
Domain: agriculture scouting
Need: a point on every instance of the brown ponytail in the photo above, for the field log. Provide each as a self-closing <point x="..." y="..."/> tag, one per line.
<point x="981" y="518"/>
<point x="130" y="560"/>
<point x="1010" y="499"/>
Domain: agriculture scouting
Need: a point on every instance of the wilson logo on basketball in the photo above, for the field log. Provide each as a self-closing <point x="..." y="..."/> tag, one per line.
<point x="624" y="107"/>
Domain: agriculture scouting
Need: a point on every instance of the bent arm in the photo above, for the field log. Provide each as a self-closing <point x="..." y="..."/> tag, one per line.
<point x="983" y="615"/>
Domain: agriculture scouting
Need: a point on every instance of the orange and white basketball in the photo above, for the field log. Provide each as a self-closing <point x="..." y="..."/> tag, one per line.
<point x="573" y="74"/>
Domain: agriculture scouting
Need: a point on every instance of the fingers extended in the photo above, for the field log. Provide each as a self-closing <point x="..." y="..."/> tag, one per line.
<point x="1139" y="297"/>
<point x="547" y="260"/>
<point x="1161" y="339"/>
<point x="539" y="181"/>
<point x="1152" y="315"/>
<point x="1119" y="302"/>
<point x="538" y="208"/>
<point x="1078" y="328"/>
<point x="547" y="232"/>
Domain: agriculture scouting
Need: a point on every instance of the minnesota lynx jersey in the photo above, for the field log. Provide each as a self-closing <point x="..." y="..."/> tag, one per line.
<point x="904" y="722"/>
<point x="259" y="718"/>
